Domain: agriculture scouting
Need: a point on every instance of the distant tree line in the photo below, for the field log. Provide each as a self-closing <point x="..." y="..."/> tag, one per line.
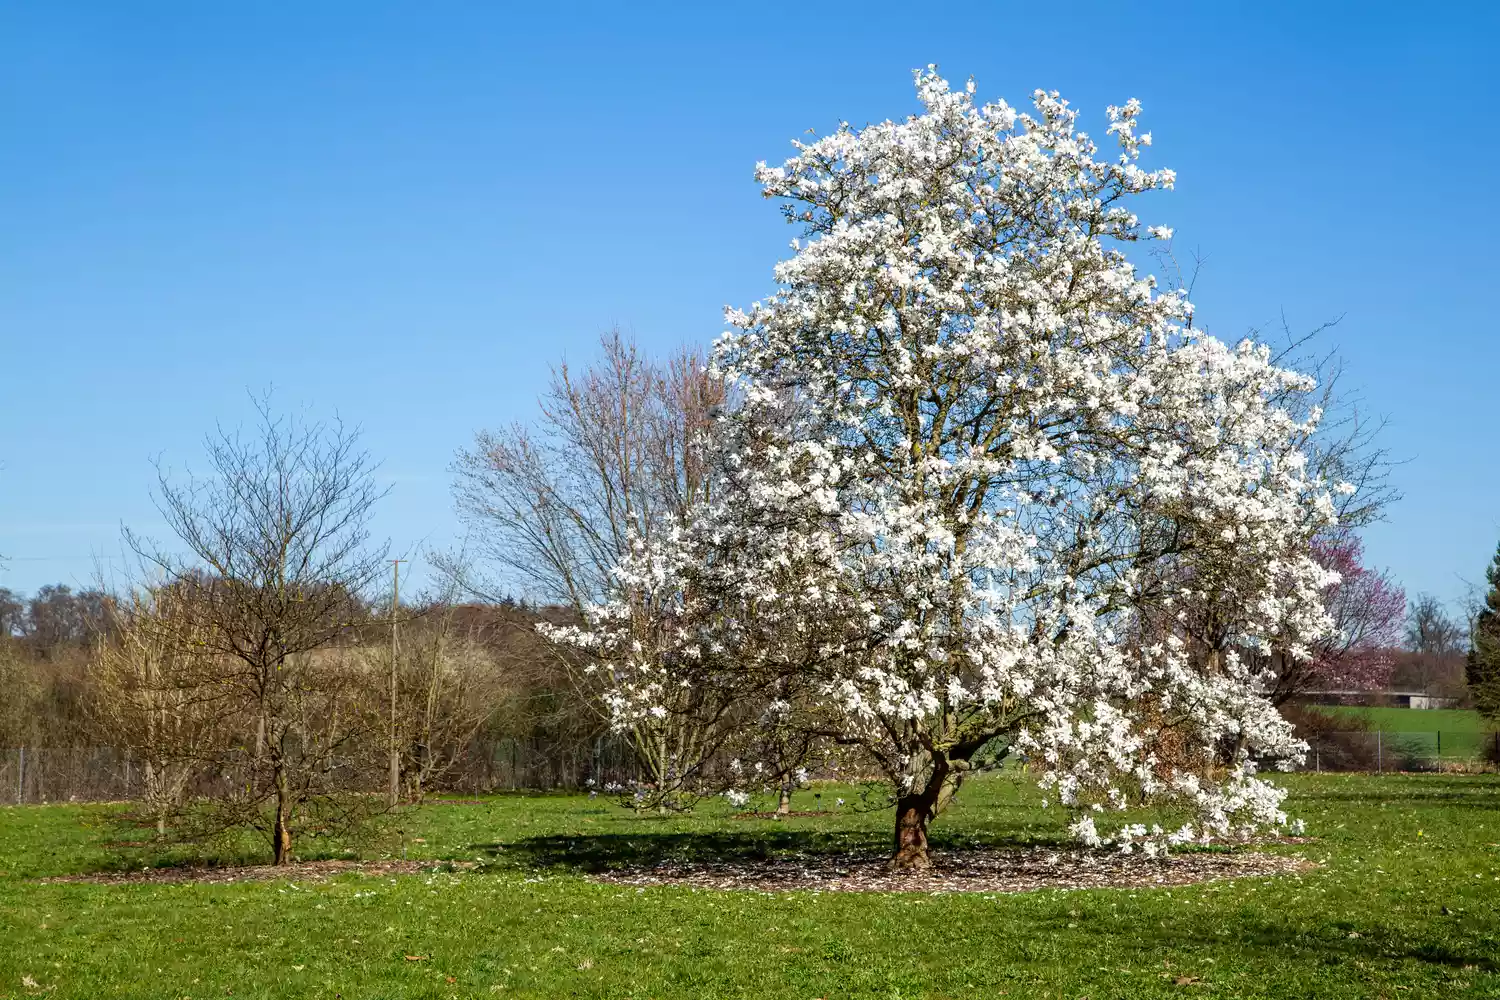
<point x="50" y="674"/>
<point x="473" y="676"/>
<point x="45" y="641"/>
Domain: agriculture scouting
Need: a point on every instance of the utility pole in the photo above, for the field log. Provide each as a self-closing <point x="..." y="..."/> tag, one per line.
<point x="395" y="791"/>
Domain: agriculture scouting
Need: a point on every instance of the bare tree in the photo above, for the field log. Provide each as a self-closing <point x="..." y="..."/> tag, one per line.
<point x="612" y="456"/>
<point x="21" y="698"/>
<point x="1346" y="445"/>
<point x="447" y="688"/>
<point x="278" y="560"/>
<point x="56" y="616"/>
<point x="1435" y="641"/>
<point x="1430" y="629"/>
<point x="156" y="693"/>
<point x="12" y="613"/>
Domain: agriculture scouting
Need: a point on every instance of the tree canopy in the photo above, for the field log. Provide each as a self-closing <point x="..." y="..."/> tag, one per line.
<point x="988" y="485"/>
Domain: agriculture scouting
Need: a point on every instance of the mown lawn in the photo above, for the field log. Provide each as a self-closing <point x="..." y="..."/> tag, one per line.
<point x="1424" y="734"/>
<point x="1416" y="720"/>
<point x="1406" y="904"/>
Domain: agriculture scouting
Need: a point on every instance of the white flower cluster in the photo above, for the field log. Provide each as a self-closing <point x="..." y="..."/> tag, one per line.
<point x="985" y="483"/>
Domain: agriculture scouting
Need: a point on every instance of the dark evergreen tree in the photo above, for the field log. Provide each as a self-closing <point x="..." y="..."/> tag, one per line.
<point x="1483" y="668"/>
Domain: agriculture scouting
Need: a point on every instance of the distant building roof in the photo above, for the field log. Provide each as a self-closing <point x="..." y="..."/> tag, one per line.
<point x="1386" y="694"/>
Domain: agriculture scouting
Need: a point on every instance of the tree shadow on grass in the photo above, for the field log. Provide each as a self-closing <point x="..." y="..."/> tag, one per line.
<point x="609" y="852"/>
<point x="1338" y="941"/>
<point x="598" y="854"/>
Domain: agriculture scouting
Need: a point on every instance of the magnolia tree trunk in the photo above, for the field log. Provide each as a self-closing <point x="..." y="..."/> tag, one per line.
<point x="913" y="813"/>
<point x="915" y="810"/>
<point x="784" y="805"/>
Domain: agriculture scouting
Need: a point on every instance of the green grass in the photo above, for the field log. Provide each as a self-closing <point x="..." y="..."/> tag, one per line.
<point x="1406" y="904"/>
<point x="1417" y="720"/>
<point x="1413" y="735"/>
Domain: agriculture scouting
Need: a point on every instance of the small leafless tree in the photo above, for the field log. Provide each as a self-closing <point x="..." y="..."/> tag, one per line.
<point x="277" y="561"/>
<point x="615" y="456"/>
<point x="155" y="693"/>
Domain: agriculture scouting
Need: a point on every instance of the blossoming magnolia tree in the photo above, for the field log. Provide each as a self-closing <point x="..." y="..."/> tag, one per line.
<point x="975" y="451"/>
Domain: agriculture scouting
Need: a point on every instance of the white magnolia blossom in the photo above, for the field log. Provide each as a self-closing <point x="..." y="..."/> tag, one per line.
<point x="983" y="481"/>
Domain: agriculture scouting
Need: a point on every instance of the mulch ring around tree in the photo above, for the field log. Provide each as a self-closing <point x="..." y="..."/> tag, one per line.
<point x="963" y="871"/>
<point x="302" y="871"/>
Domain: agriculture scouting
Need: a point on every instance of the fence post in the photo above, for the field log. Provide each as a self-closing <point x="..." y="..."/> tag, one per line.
<point x="1317" y="759"/>
<point x="1379" y="752"/>
<point x="1440" y="749"/>
<point x="21" y="776"/>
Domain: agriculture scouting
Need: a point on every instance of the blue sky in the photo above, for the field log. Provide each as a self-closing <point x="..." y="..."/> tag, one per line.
<point x="401" y="214"/>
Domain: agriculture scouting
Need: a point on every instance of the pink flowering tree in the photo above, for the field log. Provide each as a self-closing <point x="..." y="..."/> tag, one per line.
<point x="974" y="451"/>
<point x="1368" y="613"/>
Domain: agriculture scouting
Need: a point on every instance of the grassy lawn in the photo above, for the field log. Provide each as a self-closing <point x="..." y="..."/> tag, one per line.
<point x="1416" y="720"/>
<point x="1406" y="904"/>
<point x="1452" y="733"/>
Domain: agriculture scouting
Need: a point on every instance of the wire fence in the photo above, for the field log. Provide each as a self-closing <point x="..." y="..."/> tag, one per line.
<point x="35" y="775"/>
<point x="97" y="774"/>
<point x="1379" y="751"/>
<point x="30" y="775"/>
